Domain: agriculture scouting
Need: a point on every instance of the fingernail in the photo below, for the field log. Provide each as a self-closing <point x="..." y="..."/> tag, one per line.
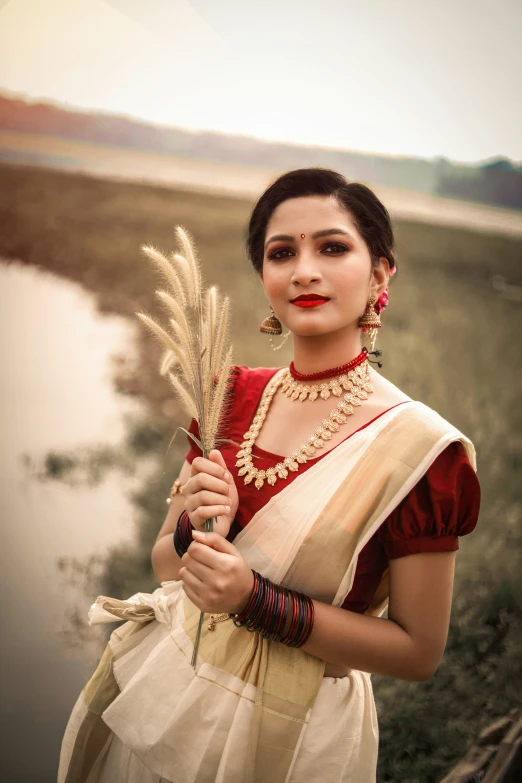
<point x="227" y="508"/>
<point x="226" y="475"/>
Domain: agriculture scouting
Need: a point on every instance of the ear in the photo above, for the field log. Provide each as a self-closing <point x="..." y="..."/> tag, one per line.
<point x="380" y="276"/>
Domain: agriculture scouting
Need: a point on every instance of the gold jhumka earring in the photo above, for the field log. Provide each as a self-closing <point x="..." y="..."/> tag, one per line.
<point x="370" y="322"/>
<point x="272" y="325"/>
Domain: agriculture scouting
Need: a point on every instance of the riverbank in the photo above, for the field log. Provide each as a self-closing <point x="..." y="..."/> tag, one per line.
<point x="90" y="230"/>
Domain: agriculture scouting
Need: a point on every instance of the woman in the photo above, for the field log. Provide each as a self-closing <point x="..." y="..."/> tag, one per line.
<point x="335" y="495"/>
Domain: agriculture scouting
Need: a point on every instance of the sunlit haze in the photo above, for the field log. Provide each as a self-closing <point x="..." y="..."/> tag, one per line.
<point x="391" y="76"/>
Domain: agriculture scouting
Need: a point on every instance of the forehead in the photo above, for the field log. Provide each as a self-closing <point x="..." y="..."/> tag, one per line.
<point x="310" y="213"/>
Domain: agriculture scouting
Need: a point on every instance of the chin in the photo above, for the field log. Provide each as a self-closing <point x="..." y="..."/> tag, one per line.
<point x="309" y="320"/>
<point x="311" y="330"/>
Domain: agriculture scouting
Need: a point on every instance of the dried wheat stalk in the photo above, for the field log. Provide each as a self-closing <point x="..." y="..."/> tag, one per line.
<point x="198" y="355"/>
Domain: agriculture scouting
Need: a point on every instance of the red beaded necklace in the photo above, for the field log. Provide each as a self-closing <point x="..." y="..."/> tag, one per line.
<point x="317" y="376"/>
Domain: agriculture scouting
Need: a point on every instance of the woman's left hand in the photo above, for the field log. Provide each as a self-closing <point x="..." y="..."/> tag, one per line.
<point x="214" y="575"/>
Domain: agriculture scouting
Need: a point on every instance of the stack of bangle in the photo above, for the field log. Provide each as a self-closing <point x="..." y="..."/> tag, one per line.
<point x="269" y="604"/>
<point x="267" y="610"/>
<point x="183" y="534"/>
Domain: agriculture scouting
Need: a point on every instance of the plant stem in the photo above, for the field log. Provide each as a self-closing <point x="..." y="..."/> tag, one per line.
<point x="209" y="527"/>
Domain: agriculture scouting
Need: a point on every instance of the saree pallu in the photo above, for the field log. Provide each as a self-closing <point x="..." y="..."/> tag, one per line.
<point x="243" y="715"/>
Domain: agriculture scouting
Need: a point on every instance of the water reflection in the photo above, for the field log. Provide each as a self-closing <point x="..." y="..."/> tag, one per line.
<point x="55" y="396"/>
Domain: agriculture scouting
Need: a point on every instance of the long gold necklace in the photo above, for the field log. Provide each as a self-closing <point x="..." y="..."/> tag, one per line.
<point x="358" y="386"/>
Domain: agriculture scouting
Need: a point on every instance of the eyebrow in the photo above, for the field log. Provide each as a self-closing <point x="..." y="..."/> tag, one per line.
<point x="325" y="232"/>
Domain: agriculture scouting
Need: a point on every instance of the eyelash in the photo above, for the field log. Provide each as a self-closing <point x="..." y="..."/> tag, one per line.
<point x="342" y="247"/>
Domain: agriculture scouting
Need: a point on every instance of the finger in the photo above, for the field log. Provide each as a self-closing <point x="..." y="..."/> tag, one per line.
<point x="197" y="495"/>
<point x="215" y="541"/>
<point x="194" y="566"/>
<point x="191" y="580"/>
<point x="205" y="555"/>
<point x="203" y="465"/>
<point x="205" y="481"/>
<point x="192" y="596"/>
<point x="202" y="513"/>
<point x="207" y="498"/>
<point x="216" y="455"/>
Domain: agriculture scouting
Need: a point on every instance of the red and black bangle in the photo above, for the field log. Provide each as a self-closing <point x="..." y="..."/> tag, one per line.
<point x="290" y="636"/>
<point x="304" y="624"/>
<point x="254" y="608"/>
<point x="183" y="534"/>
<point x="267" y="610"/>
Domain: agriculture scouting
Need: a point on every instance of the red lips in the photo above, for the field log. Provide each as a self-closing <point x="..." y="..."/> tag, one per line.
<point x="311" y="297"/>
<point x="306" y="302"/>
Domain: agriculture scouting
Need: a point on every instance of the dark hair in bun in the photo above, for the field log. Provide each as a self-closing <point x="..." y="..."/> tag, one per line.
<point x="368" y="213"/>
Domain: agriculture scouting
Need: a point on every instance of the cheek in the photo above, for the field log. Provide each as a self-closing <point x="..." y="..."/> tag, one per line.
<point x="353" y="280"/>
<point x="274" y="281"/>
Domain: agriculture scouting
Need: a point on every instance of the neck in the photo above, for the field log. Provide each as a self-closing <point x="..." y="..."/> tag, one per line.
<point x="321" y="352"/>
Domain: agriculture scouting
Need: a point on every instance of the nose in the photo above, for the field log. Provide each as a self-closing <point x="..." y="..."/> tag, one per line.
<point x="306" y="269"/>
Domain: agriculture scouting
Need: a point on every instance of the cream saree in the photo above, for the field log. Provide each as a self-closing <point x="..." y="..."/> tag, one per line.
<point x="255" y="710"/>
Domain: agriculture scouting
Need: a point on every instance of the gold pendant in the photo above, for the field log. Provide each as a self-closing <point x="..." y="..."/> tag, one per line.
<point x="216" y="618"/>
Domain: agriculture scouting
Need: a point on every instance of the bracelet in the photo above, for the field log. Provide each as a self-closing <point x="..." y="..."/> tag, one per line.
<point x="267" y="609"/>
<point x="183" y="534"/>
<point x="175" y="490"/>
<point x="302" y="621"/>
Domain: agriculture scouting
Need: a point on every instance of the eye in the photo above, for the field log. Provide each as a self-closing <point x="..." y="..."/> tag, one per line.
<point x="275" y="255"/>
<point x="329" y="249"/>
<point x="336" y="247"/>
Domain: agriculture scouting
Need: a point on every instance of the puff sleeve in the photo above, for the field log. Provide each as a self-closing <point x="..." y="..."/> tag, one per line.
<point x="442" y="506"/>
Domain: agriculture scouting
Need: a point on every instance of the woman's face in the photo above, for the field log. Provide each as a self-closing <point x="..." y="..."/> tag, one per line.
<point x="331" y="260"/>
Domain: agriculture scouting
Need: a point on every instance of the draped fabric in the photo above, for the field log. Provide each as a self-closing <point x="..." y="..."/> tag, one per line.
<point x="245" y="714"/>
<point x="443" y="505"/>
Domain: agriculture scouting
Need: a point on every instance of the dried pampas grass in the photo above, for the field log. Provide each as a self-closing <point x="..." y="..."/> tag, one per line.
<point x="197" y="356"/>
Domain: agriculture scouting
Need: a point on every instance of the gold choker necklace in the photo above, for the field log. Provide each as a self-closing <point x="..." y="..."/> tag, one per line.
<point x="297" y="390"/>
<point x="358" y="387"/>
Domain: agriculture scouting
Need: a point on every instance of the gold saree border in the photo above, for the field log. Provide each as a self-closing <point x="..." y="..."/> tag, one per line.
<point x="283" y="682"/>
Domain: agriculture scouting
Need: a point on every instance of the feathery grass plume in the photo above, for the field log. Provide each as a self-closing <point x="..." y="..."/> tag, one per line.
<point x="167" y="360"/>
<point x="167" y="270"/>
<point x="197" y="359"/>
<point x="180" y="318"/>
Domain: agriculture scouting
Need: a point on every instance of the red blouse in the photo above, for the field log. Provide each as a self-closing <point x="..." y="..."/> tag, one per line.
<point x="442" y="505"/>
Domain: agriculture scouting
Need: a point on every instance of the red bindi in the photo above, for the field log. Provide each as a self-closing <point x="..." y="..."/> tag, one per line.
<point x="302" y="236"/>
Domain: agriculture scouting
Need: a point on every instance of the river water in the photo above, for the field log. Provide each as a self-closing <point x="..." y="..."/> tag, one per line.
<point x="56" y="396"/>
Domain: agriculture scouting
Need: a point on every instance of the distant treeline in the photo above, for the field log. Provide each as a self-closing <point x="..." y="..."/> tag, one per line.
<point x="495" y="182"/>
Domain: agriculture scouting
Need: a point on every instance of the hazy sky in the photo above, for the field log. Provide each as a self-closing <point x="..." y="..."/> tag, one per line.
<point x="412" y="77"/>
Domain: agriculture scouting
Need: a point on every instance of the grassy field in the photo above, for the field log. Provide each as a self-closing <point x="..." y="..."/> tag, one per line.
<point x="448" y="339"/>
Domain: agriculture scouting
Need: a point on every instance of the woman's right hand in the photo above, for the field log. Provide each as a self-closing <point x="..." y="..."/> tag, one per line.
<point x="208" y="493"/>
